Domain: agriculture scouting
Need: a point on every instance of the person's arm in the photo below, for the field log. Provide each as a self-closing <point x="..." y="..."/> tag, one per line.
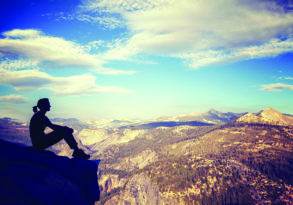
<point x="56" y="127"/>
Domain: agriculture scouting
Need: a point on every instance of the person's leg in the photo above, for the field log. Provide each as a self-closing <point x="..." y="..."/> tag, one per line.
<point x="56" y="136"/>
<point x="66" y="134"/>
<point x="68" y="137"/>
<point x="49" y="139"/>
<point x="77" y="153"/>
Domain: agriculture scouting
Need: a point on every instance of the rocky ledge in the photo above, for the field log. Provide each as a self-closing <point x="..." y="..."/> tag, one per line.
<point x="29" y="176"/>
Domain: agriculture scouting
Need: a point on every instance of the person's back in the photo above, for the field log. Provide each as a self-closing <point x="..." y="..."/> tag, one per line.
<point x="38" y="123"/>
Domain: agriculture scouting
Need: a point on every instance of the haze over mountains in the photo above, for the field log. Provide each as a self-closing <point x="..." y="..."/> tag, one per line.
<point x="209" y="158"/>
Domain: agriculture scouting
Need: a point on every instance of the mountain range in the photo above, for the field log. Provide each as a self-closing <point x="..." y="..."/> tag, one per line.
<point x="212" y="116"/>
<point x="231" y="158"/>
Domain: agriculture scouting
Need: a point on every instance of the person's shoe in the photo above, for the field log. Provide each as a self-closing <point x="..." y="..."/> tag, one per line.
<point x="80" y="154"/>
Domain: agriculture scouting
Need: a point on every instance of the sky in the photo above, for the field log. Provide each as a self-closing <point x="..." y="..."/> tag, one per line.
<point x="121" y="59"/>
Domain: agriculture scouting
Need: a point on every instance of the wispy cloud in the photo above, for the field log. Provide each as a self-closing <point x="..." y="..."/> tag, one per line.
<point x="286" y="78"/>
<point x="269" y="49"/>
<point x="12" y="99"/>
<point x="199" y="32"/>
<point x="71" y="85"/>
<point x="37" y="46"/>
<point x="19" y="64"/>
<point x="106" y="21"/>
<point x="25" y="79"/>
<point x="81" y="84"/>
<point x="277" y="87"/>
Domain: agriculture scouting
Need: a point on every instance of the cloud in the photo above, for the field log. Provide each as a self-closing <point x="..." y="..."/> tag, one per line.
<point x="288" y="78"/>
<point x="25" y="79"/>
<point x="18" y="64"/>
<point x="106" y="21"/>
<point x="81" y="84"/>
<point x="12" y="99"/>
<point x="199" y="32"/>
<point x="269" y="49"/>
<point x="71" y="85"/>
<point x="37" y="46"/>
<point x="101" y="12"/>
<point x="121" y="6"/>
<point x="277" y="87"/>
<point x="103" y="19"/>
<point x="285" y="78"/>
<point x="20" y="33"/>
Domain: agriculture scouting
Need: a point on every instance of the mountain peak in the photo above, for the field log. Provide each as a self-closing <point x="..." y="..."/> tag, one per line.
<point x="270" y="110"/>
<point x="213" y="111"/>
<point x="266" y="116"/>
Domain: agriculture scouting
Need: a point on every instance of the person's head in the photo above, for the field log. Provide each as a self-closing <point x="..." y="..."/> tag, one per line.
<point x="43" y="105"/>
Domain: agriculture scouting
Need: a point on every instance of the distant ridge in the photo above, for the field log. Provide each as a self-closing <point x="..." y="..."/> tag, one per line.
<point x="267" y="116"/>
<point x="212" y="117"/>
<point x="76" y="124"/>
<point x="151" y="125"/>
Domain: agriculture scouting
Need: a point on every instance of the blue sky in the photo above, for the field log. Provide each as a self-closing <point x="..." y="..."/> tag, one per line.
<point x="145" y="59"/>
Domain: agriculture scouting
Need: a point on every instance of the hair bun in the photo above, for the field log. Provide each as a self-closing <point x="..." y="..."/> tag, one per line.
<point x="35" y="109"/>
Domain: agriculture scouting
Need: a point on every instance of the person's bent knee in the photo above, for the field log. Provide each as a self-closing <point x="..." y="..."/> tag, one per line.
<point x="61" y="131"/>
<point x="65" y="131"/>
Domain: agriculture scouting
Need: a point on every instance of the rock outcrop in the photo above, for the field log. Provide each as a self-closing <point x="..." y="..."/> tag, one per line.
<point x="29" y="176"/>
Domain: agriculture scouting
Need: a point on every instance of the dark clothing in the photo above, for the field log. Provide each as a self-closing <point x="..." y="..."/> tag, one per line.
<point x="54" y="137"/>
<point x="38" y="123"/>
<point x="40" y="140"/>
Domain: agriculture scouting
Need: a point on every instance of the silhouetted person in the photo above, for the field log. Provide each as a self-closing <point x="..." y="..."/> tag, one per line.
<point x="41" y="140"/>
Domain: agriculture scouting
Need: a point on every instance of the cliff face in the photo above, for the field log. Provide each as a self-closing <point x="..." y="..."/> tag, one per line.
<point x="29" y="176"/>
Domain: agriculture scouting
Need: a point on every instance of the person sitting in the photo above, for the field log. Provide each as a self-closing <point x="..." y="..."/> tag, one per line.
<point x="41" y="140"/>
